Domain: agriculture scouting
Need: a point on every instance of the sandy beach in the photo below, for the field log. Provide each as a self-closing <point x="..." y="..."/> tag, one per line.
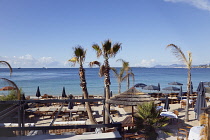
<point x="123" y="112"/>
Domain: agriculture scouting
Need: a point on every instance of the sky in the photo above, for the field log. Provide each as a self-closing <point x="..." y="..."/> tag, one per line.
<point x="42" y="33"/>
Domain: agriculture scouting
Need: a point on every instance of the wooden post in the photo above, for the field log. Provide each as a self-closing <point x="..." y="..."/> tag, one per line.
<point x="208" y="127"/>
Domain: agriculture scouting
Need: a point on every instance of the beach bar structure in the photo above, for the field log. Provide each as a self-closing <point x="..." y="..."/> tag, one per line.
<point x="132" y="97"/>
<point x="19" y="105"/>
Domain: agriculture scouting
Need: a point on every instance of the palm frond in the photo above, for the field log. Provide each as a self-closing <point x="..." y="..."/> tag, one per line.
<point x="125" y="64"/>
<point x="121" y="72"/>
<point x="127" y="75"/>
<point x="121" y="60"/>
<point x="101" y="71"/>
<point x="91" y="64"/>
<point x="115" y="49"/>
<point x="7" y="64"/>
<point x="73" y="60"/>
<point x="133" y="76"/>
<point x="115" y="71"/>
<point x="147" y="113"/>
<point x="97" y="49"/>
<point x="80" y="53"/>
<point x="178" y="53"/>
<point x="107" y="46"/>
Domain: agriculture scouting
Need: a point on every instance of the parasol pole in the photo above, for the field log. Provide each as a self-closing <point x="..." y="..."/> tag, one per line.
<point x="132" y="113"/>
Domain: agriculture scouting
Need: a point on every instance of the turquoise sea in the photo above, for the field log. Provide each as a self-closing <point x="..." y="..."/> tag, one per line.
<point x="52" y="80"/>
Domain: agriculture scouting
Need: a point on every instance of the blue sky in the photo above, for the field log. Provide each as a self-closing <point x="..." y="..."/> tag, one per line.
<point x="41" y="33"/>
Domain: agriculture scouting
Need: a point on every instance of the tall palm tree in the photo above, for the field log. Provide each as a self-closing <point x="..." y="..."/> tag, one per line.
<point x="9" y="81"/>
<point x="188" y="62"/>
<point x="128" y="71"/>
<point x="79" y="57"/>
<point x="107" y="50"/>
<point x="120" y="76"/>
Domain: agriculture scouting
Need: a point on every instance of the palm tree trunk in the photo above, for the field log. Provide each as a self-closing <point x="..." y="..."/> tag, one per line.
<point x="83" y="85"/>
<point x="188" y="95"/>
<point x="119" y="88"/>
<point x="107" y="84"/>
<point x="128" y="82"/>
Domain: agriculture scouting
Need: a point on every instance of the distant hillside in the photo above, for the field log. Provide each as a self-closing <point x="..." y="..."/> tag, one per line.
<point x="181" y="66"/>
<point x="170" y="66"/>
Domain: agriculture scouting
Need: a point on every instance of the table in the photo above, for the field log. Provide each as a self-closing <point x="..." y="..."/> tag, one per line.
<point x="190" y="101"/>
<point x="194" y="133"/>
<point x="32" y="110"/>
<point x="127" y="122"/>
<point x="168" y="114"/>
<point x="65" y="117"/>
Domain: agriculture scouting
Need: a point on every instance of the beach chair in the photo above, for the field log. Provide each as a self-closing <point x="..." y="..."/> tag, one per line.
<point x="176" y="112"/>
<point x="183" y="104"/>
<point x="183" y="133"/>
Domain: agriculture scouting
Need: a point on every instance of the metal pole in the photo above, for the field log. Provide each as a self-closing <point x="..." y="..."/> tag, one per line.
<point x="19" y="117"/>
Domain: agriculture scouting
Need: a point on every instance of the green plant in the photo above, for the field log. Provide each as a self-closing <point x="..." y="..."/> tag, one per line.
<point x="11" y="96"/>
<point x="148" y="120"/>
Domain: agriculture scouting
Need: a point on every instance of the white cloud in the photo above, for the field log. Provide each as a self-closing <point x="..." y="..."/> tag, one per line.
<point x="200" y="4"/>
<point x="146" y="63"/>
<point x="28" y="61"/>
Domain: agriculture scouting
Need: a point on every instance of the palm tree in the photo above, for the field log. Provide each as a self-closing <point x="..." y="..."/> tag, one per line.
<point x="79" y="57"/>
<point x="107" y="50"/>
<point x="120" y="76"/>
<point x="188" y="62"/>
<point x="9" y="81"/>
<point x="128" y="74"/>
<point x="7" y="64"/>
<point x="148" y="120"/>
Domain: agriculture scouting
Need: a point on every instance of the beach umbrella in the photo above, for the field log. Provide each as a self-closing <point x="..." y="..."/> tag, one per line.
<point x="180" y="92"/>
<point x="23" y="98"/>
<point x="191" y="88"/>
<point x="7" y="88"/>
<point x="200" y="102"/>
<point x="158" y="86"/>
<point x="166" y="105"/>
<point x="111" y="94"/>
<point x="64" y="93"/>
<point x="175" y="83"/>
<point x="71" y="104"/>
<point x="38" y="94"/>
<point x="151" y="87"/>
<point x="140" y="85"/>
<point x="171" y="88"/>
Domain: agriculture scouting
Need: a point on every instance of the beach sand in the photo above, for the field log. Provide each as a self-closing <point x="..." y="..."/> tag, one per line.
<point x="123" y="112"/>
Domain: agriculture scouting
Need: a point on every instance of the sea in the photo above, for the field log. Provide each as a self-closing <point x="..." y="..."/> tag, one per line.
<point x="52" y="80"/>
